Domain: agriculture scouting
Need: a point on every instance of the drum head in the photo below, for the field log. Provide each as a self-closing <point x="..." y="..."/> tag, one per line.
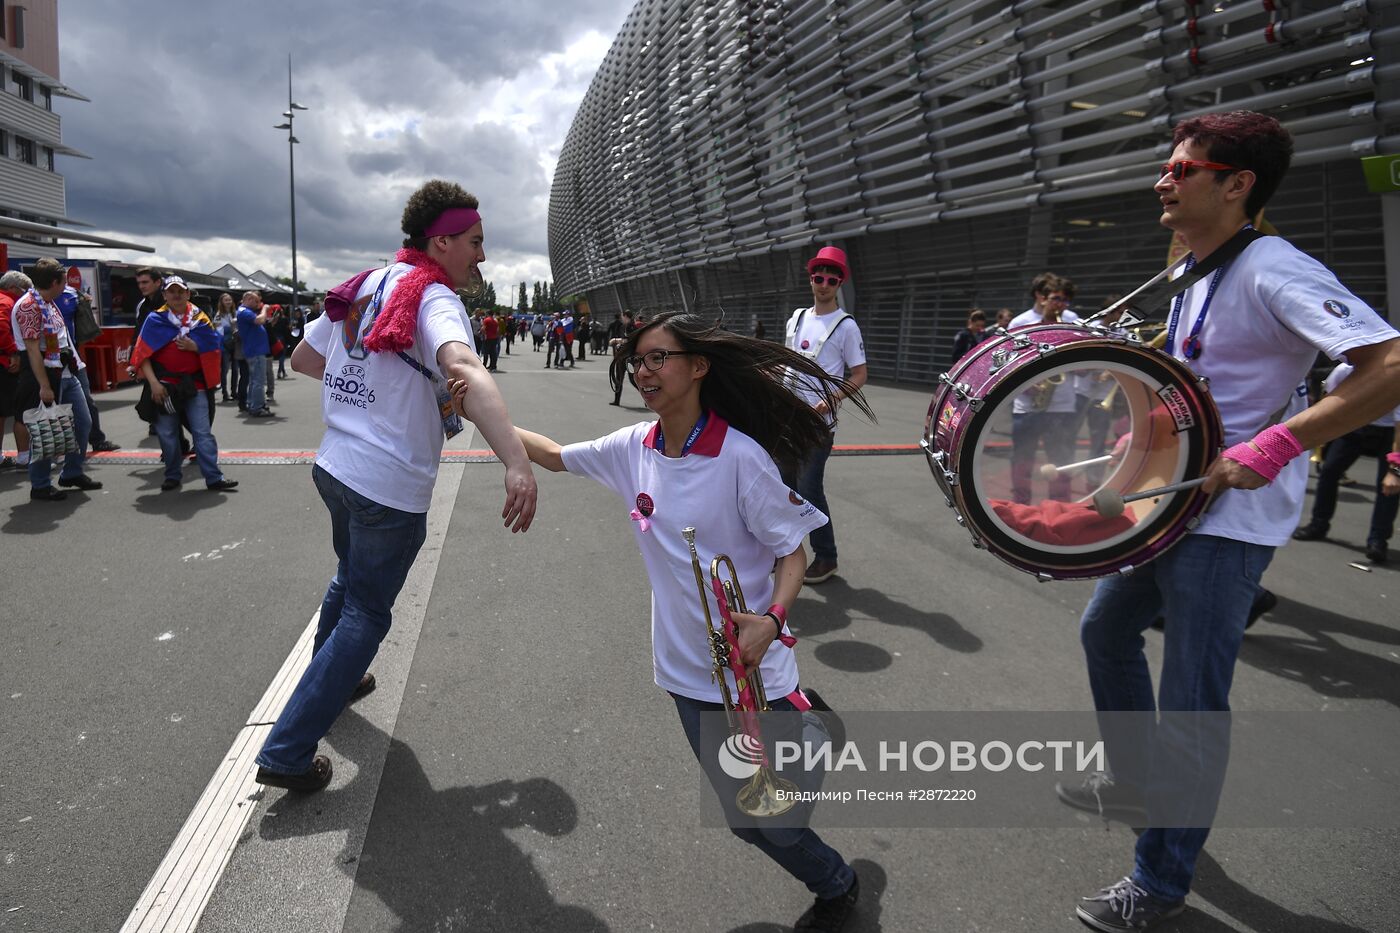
<point x="1058" y="441"/>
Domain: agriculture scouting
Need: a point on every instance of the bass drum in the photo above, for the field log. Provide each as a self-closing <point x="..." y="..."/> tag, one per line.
<point x="1035" y="434"/>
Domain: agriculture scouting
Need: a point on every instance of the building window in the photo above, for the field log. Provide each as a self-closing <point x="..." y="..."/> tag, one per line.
<point x="4" y="144"/>
<point x="24" y="87"/>
<point x="48" y="157"/>
<point x="24" y="150"/>
<point x="3" y="30"/>
<point x="48" y="97"/>
<point x="17" y="38"/>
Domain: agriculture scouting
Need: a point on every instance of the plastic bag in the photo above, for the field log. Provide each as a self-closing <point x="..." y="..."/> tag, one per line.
<point x="51" y="431"/>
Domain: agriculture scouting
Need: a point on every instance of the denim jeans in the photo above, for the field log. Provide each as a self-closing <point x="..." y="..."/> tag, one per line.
<point x="374" y="547"/>
<point x="69" y="391"/>
<point x="257" y="383"/>
<point x="800" y="851"/>
<point x="1203" y="587"/>
<point x="811" y="485"/>
<point x="95" y="433"/>
<point x="1341" y="454"/>
<point x="206" y="449"/>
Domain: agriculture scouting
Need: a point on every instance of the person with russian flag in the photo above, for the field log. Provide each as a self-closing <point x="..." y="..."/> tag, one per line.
<point x="177" y="353"/>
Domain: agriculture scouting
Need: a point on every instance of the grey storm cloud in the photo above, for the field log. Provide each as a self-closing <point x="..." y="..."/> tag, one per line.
<point x="184" y="98"/>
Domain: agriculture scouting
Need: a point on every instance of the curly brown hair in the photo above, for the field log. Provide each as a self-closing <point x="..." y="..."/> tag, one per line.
<point x="747" y="385"/>
<point x="427" y="204"/>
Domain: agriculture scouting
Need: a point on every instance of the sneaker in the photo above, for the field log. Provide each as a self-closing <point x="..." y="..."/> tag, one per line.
<point x="47" y="494"/>
<point x="309" y="781"/>
<point x="169" y="485"/>
<point x="81" y="481"/>
<point x="1310" y="532"/>
<point x="1100" y="794"/>
<point x="829" y="914"/>
<point x="362" y="689"/>
<point x="1126" y="906"/>
<point x="22" y="459"/>
<point x="260" y="413"/>
<point x="221" y="485"/>
<point x="105" y="446"/>
<point x="1377" y="552"/>
<point x="819" y="571"/>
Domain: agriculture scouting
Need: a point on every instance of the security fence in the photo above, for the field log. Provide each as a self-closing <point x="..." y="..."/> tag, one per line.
<point x="954" y="148"/>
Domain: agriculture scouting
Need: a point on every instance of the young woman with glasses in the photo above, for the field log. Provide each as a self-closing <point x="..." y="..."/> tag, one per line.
<point x="725" y="420"/>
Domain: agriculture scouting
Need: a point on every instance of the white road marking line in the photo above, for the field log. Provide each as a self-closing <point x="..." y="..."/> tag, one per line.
<point x="178" y="892"/>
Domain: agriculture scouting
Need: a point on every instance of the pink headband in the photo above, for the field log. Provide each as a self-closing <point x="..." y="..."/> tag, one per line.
<point x="452" y="221"/>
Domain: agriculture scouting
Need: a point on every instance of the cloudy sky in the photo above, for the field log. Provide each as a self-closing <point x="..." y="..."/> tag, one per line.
<point x="184" y="97"/>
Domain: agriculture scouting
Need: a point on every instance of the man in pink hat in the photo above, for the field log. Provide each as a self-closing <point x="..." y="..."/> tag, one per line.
<point x="829" y="336"/>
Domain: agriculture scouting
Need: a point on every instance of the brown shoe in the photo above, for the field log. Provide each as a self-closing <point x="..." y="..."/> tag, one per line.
<point x="312" y="779"/>
<point x="819" y="571"/>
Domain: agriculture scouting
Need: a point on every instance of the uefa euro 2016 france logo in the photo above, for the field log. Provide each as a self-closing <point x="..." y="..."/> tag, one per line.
<point x="1336" y="308"/>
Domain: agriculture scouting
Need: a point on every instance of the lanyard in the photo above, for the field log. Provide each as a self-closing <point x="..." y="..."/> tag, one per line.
<point x="689" y="441"/>
<point x="1191" y="348"/>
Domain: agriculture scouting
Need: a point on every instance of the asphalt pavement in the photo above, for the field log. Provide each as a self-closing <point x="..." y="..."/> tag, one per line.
<point x="517" y="768"/>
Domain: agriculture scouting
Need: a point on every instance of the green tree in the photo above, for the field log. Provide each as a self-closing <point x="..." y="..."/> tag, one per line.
<point x="523" y="306"/>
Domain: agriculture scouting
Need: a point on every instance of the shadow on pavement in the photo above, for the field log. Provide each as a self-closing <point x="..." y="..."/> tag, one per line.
<point x="1319" y="660"/>
<point x="441" y="858"/>
<point x="866" y="918"/>
<point x="843" y="602"/>
<point x="1211" y="884"/>
<point x="36" y="518"/>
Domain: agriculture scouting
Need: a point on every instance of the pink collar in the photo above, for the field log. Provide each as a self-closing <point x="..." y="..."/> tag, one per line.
<point x="709" y="443"/>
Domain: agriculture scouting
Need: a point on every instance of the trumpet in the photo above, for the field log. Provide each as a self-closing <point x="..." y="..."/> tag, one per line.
<point x="765" y="794"/>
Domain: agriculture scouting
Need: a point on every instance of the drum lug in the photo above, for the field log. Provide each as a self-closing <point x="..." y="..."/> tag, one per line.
<point x="1126" y="570"/>
<point x="939" y="459"/>
<point x="999" y="359"/>
<point x="1194" y="523"/>
<point x="961" y="389"/>
<point x="1043" y="577"/>
<point x="1044" y="349"/>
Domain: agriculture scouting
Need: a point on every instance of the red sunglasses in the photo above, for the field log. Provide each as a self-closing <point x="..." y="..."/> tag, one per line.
<point x="1183" y="167"/>
<point x="826" y="279"/>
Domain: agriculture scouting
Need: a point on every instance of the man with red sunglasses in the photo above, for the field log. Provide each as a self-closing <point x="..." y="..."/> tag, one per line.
<point x="1253" y="329"/>
<point x="829" y="336"/>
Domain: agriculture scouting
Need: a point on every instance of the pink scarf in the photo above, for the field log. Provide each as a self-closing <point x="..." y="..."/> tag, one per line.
<point x="397" y="321"/>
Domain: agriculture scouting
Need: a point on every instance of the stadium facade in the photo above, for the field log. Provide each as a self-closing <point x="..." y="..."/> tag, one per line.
<point x="954" y="148"/>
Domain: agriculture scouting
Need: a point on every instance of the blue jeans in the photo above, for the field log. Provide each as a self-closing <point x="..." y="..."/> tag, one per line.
<point x="1203" y="587"/>
<point x="206" y="449"/>
<point x="257" y="383"/>
<point x="1341" y="454"/>
<point x="68" y="392"/>
<point x="800" y="851"/>
<point x="95" y="433"/>
<point x="811" y="485"/>
<point x="375" y="546"/>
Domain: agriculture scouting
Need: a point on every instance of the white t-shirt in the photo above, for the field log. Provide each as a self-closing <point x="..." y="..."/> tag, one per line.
<point x="844" y="347"/>
<point x="728" y="489"/>
<point x="1062" y="400"/>
<point x="1274" y="309"/>
<point x="383" y="429"/>
<point x="1338" y="375"/>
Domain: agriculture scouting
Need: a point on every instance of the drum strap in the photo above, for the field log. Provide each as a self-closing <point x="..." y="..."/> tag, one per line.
<point x="1161" y="288"/>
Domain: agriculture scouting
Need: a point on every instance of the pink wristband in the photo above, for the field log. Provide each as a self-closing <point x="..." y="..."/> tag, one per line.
<point x="1393" y="458"/>
<point x="1277" y="446"/>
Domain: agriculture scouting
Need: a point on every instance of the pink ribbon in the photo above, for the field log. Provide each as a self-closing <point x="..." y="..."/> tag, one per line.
<point x="643" y="523"/>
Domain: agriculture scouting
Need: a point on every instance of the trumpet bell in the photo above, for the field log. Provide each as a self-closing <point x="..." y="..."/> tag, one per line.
<point x="766" y="795"/>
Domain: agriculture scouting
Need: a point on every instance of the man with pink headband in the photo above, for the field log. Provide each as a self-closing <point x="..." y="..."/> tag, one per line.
<point x="389" y="340"/>
<point x="1252" y="329"/>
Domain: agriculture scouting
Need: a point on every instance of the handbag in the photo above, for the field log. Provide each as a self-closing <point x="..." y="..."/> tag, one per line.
<point x="51" y="431"/>
<point x="85" y="326"/>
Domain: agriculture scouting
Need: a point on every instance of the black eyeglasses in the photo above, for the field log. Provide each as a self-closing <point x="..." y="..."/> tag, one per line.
<point x="654" y="360"/>
<point x="1183" y="167"/>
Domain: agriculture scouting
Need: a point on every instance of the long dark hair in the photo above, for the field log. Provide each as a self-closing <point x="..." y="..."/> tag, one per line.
<point x="747" y="385"/>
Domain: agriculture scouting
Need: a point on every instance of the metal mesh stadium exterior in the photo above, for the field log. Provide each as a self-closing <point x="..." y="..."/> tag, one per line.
<point x="954" y="148"/>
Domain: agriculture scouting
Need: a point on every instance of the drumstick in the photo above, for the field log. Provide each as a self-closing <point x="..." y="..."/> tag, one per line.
<point x="1050" y="471"/>
<point x="1109" y="503"/>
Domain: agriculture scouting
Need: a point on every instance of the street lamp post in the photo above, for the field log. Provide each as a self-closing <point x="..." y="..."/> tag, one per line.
<point x="290" y="115"/>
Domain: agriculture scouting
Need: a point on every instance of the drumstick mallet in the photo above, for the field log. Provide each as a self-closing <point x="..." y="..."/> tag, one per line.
<point x="1109" y="503"/>
<point x="1050" y="471"/>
